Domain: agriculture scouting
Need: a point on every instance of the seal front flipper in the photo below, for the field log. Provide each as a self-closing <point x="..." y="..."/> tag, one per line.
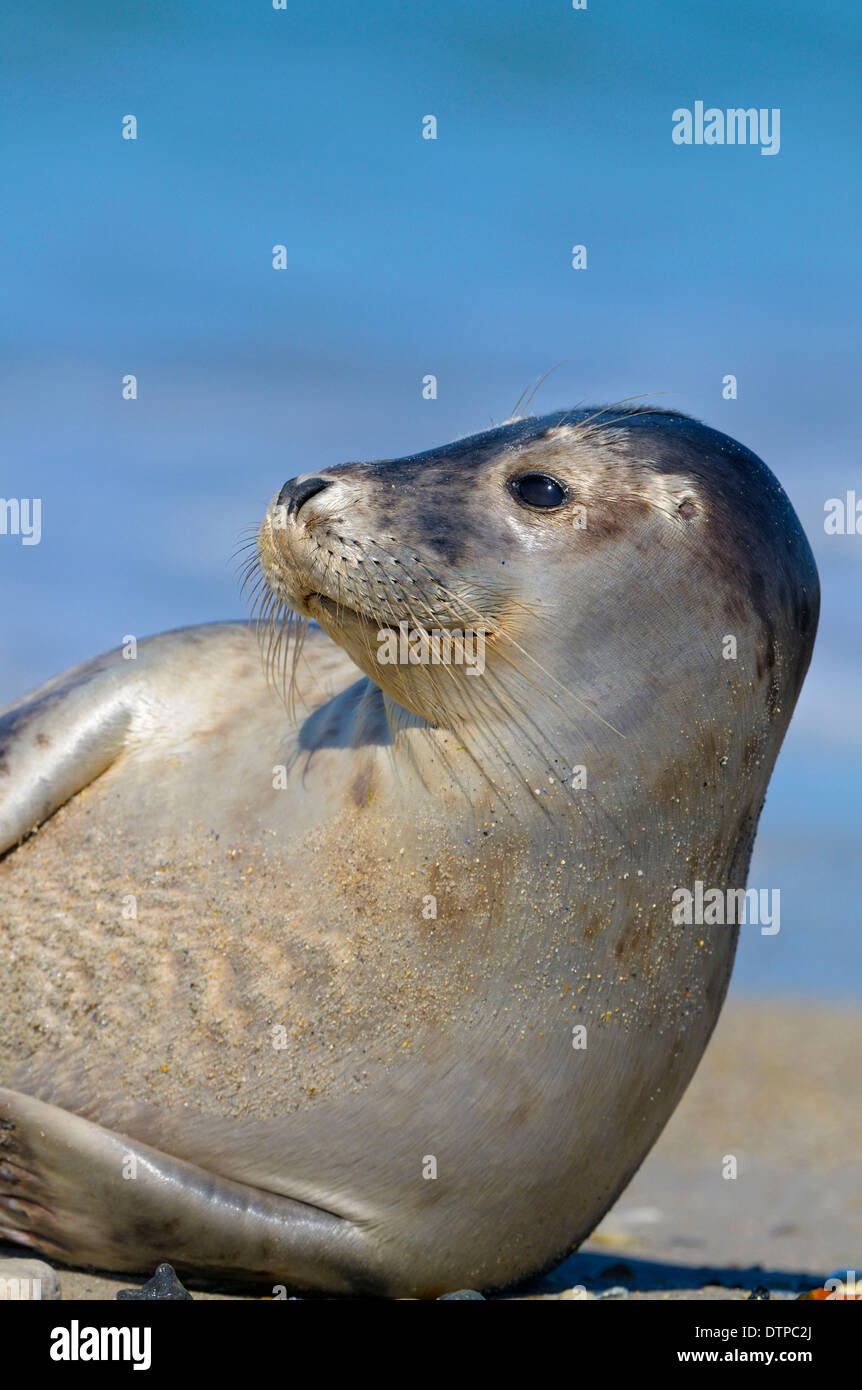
<point x="65" y="734"/>
<point x="58" y="740"/>
<point x="85" y="1195"/>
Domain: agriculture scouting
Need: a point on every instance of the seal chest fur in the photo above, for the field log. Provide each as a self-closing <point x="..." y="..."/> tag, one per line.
<point x="387" y="995"/>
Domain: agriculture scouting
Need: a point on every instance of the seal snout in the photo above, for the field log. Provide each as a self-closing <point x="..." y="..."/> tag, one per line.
<point x="298" y="491"/>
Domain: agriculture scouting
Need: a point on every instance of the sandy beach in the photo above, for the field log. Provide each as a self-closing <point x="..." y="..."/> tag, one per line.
<point x="778" y="1091"/>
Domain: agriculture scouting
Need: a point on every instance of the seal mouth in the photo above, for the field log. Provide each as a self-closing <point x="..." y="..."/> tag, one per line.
<point x="317" y="604"/>
<point x="321" y="605"/>
<point x="399" y="621"/>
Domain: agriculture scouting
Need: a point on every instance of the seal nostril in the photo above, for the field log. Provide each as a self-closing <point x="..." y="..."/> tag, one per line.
<point x="298" y="491"/>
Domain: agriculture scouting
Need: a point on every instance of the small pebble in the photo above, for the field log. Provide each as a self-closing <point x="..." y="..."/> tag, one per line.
<point x="164" y="1284"/>
<point x="757" y="1294"/>
<point x="462" y="1293"/>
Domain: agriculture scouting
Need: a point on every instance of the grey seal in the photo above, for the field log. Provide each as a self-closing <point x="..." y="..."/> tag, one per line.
<point x="386" y="996"/>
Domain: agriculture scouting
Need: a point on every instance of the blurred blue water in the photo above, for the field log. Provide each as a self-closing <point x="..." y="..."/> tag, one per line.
<point x="408" y="257"/>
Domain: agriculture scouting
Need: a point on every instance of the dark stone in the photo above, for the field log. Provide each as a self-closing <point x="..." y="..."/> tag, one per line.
<point x="164" y="1284"/>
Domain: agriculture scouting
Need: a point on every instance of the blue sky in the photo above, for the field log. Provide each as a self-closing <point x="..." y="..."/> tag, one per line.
<point x="303" y="127"/>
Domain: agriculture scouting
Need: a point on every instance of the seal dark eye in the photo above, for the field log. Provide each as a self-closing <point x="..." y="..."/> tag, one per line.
<point x="538" y="490"/>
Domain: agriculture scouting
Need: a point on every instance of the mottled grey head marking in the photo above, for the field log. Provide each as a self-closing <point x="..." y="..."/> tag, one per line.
<point x="603" y="553"/>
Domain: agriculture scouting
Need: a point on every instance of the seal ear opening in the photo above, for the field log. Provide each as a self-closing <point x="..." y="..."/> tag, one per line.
<point x="687" y="508"/>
